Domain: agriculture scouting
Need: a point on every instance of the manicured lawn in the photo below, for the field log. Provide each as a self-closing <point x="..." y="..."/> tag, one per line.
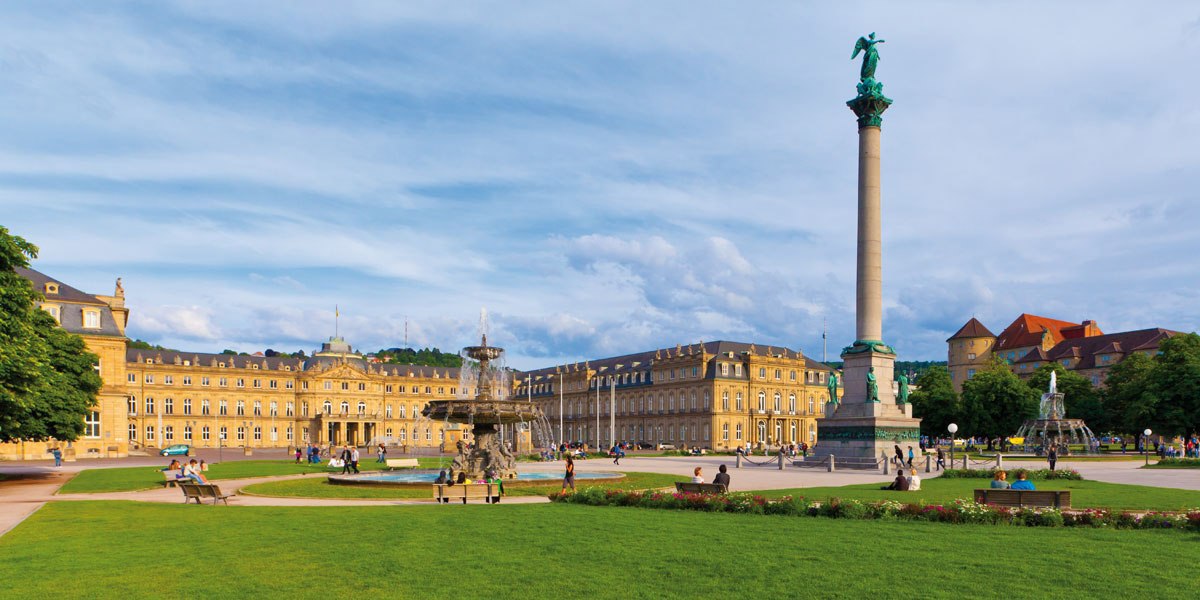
<point x="321" y="488"/>
<point x="1083" y="493"/>
<point x="140" y="478"/>
<point x="552" y="551"/>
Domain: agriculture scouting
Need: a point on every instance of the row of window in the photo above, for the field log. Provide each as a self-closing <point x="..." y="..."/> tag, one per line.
<point x="288" y="384"/>
<point x="168" y="433"/>
<point x="150" y="405"/>
<point x="667" y="403"/>
<point x="694" y="434"/>
<point x="664" y="375"/>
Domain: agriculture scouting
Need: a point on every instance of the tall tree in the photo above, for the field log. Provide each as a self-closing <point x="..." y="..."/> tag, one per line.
<point x="996" y="402"/>
<point x="47" y="377"/>
<point x="1129" y="401"/>
<point x="1082" y="401"/>
<point x="934" y="400"/>
<point x="1175" y="382"/>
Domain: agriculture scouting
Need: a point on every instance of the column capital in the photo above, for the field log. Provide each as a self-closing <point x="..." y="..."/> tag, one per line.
<point x="870" y="103"/>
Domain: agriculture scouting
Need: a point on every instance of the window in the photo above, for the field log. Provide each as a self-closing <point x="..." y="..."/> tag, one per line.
<point x="792" y="403"/>
<point x="223" y="433"/>
<point x="257" y="383"/>
<point x="762" y="401"/>
<point x="273" y="384"/>
<point x="738" y="432"/>
<point x="131" y="378"/>
<point x="707" y="398"/>
<point x="187" y="380"/>
<point x="168" y="380"/>
<point x="1066" y="362"/>
<point x="329" y="385"/>
<point x="725" y="432"/>
<point x="812" y="404"/>
<point x="241" y="408"/>
<point x="401" y="407"/>
<point x="1095" y="380"/>
<point x="132" y="432"/>
<point x="204" y="433"/>
<point x="168" y="434"/>
<point x="91" y="425"/>
<point x="168" y="406"/>
<point x="792" y="375"/>
<point x="739" y="402"/>
<point x="258" y="408"/>
<point x="291" y="408"/>
<point x="241" y="433"/>
<point x="149" y="378"/>
<point x="241" y="382"/>
<point x="289" y="384"/>
<point x="778" y="374"/>
<point x="327" y="407"/>
<point x="737" y="370"/>
<point x="91" y="319"/>
<point x="149" y="405"/>
<point x="187" y="433"/>
<point x="777" y="406"/>
<point x="970" y="373"/>
<point x="362" y="407"/>
<point x="345" y="407"/>
<point x="223" y="408"/>
<point x="304" y="408"/>
<point x="387" y="411"/>
<point x="362" y="387"/>
<point x="132" y="402"/>
<point x="204" y="381"/>
<point x="289" y="433"/>
<point x="223" y="382"/>
<point x="345" y="385"/>
<point x="970" y="356"/>
<point x="187" y="406"/>
<point x="725" y="400"/>
<point x="257" y="433"/>
<point x="149" y="433"/>
<point x="762" y="372"/>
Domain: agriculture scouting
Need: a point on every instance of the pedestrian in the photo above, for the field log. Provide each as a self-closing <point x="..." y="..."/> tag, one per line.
<point x="910" y="457"/>
<point x="57" y="457"/>
<point x="354" y="459"/>
<point x="382" y="454"/>
<point x="345" y="459"/>
<point x="1052" y="455"/>
<point x="899" y="456"/>
<point x="616" y="452"/>
<point x="298" y="454"/>
<point x="941" y="459"/>
<point x="569" y="476"/>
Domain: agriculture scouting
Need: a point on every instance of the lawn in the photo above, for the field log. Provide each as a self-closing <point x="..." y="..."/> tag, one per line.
<point x="321" y="488"/>
<point x="1083" y="493"/>
<point x="551" y="551"/>
<point x="126" y="479"/>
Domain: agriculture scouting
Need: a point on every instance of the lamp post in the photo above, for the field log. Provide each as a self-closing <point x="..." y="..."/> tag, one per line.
<point x="952" y="428"/>
<point x="1146" y="445"/>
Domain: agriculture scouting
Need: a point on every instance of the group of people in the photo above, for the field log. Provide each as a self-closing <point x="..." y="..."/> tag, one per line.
<point x="191" y="470"/>
<point x="1000" y="482"/>
<point x="905" y="483"/>
<point x="722" y="477"/>
<point x="448" y="478"/>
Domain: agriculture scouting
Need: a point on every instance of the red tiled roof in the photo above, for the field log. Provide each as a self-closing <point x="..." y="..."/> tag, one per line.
<point x="1087" y="349"/>
<point x="973" y="329"/>
<point x="1027" y="331"/>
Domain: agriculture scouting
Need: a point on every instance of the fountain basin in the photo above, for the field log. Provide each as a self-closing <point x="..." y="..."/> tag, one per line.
<point x="482" y="412"/>
<point x="426" y="478"/>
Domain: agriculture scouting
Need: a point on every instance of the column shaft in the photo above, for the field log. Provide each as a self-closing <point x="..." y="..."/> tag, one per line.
<point x="869" y="298"/>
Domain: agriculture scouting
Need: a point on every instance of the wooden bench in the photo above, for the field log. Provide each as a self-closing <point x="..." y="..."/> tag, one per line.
<point x="200" y="491"/>
<point x="170" y="478"/>
<point x="700" y="488"/>
<point x="464" y="491"/>
<point x="402" y="463"/>
<point x="1022" y="498"/>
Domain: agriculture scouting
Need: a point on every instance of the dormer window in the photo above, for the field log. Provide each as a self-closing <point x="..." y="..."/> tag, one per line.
<point x="51" y="288"/>
<point x="91" y="319"/>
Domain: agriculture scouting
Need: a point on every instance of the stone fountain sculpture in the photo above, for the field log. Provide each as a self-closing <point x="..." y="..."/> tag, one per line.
<point x="484" y="413"/>
<point x="1052" y="425"/>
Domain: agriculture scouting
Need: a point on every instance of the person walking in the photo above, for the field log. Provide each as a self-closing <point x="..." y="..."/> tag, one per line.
<point x="569" y="476"/>
<point x="941" y="459"/>
<point x="299" y="453"/>
<point x="910" y="457"/>
<point x="345" y="459"/>
<point x="354" y="459"/>
<point x="57" y="457"/>
<point x="382" y="454"/>
<point x="899" y="456"/>
<point x="1052" y="455"/>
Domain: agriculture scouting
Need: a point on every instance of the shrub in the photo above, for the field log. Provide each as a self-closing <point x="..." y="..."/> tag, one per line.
<point x="1184" y="463"/>
<point x="1039" y="474"/>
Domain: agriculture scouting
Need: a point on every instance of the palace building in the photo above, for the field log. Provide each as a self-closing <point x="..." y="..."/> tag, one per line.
<point x="717" y="395"/>
<point x="1031" y="341"/>
<point x="156" y="398"/>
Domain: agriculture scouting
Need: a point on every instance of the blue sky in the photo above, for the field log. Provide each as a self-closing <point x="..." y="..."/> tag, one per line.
<point x="603" y="177"/>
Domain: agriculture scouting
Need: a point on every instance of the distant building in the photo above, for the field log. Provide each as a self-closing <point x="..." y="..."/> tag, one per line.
<point x="1031" y="341"/>
<point x="718" y="395"/>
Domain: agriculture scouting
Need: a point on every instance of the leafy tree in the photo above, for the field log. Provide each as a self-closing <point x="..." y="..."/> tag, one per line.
<point x="229" y="352"/>
<point x="996" y="402"/>
<point x="47" y="378"/>
<point x="1082" y="401"/>
<point x="935" y="401"/>
<point x="426" y="356"/>
<point x="143" y="345"/>
<point x="1129" y="402"/>
<point x="1175" y="383"/>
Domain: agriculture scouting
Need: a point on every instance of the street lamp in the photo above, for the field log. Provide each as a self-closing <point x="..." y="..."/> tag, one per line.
<point x="952" y="428"/>
<point x="1146" y="445"/>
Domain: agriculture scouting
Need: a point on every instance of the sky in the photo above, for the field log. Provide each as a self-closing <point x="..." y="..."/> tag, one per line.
<point x="603" y="177"/>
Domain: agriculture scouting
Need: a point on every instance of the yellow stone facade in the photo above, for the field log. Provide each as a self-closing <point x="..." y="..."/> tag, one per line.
<point x="717" y="395"/>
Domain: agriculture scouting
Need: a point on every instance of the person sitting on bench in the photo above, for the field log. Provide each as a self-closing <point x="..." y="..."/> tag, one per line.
<point x="191" y="472"/>
<point x="900" y="484"/>
<point x="1022" y="483"/>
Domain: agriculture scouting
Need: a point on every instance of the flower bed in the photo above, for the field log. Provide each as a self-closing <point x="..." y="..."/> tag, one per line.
<point x="1038" y="474"/>
<point x="958" y="511"/>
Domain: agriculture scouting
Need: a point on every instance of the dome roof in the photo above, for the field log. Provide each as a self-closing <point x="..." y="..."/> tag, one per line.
<point x="335" y="352"/>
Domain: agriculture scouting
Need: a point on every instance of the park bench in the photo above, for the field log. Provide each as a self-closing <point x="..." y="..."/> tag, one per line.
<point x="200" y="491"/>
<point x="464" y="491"/>
<point x="1024" y="498"/>
<point x="400" y="463"/>
<point x="700" y="488"/>
<point x="170" y="478"/>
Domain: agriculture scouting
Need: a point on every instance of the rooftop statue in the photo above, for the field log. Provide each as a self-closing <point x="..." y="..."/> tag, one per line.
<point x="866" y="45"/>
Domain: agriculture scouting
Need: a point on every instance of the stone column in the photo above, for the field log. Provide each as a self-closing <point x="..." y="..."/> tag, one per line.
<point x="869" y="303"/>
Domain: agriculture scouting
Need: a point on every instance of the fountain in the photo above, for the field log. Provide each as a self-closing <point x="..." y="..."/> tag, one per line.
<point x="1052" y="425"/>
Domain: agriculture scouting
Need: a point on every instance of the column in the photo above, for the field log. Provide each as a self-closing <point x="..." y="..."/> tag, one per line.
<point x="869" y="289"/>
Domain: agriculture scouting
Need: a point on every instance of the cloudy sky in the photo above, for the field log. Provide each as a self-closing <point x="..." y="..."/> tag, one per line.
<point x="604" y="177"/>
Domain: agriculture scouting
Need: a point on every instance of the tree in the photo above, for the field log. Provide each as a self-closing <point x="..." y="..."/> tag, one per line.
<point x="1128" y="400"/>
<point x="995" y="402"/>
<point x="934" y="401"/>
<point x="1175" y="384"/>
<point x="144" y="345"/>
<point x="47" y="378"/>
<point x="1082" y="401"/>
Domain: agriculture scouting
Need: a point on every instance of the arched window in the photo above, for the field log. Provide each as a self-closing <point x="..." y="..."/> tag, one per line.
<point x="778" y="405"/>
<point x="345" y="407"/>
<point x="693" y="400"/>
<point x="739" y="403"/>
<point x="792" y="404"/>
<point x="762" y="432"/>
<point x="762" y="401"/>
<point x="362" y="407"/>
<point x="812" y="404"/>
<point x="327" y="407"/>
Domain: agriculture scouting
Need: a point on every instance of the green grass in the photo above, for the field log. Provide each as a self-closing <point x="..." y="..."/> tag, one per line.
<point x="1084" y="494"/>
<point x="1176" y="463"/>
<point x="127" y="479"/>
<point x="321" y="488"/>
<point x="551" y="551"/>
